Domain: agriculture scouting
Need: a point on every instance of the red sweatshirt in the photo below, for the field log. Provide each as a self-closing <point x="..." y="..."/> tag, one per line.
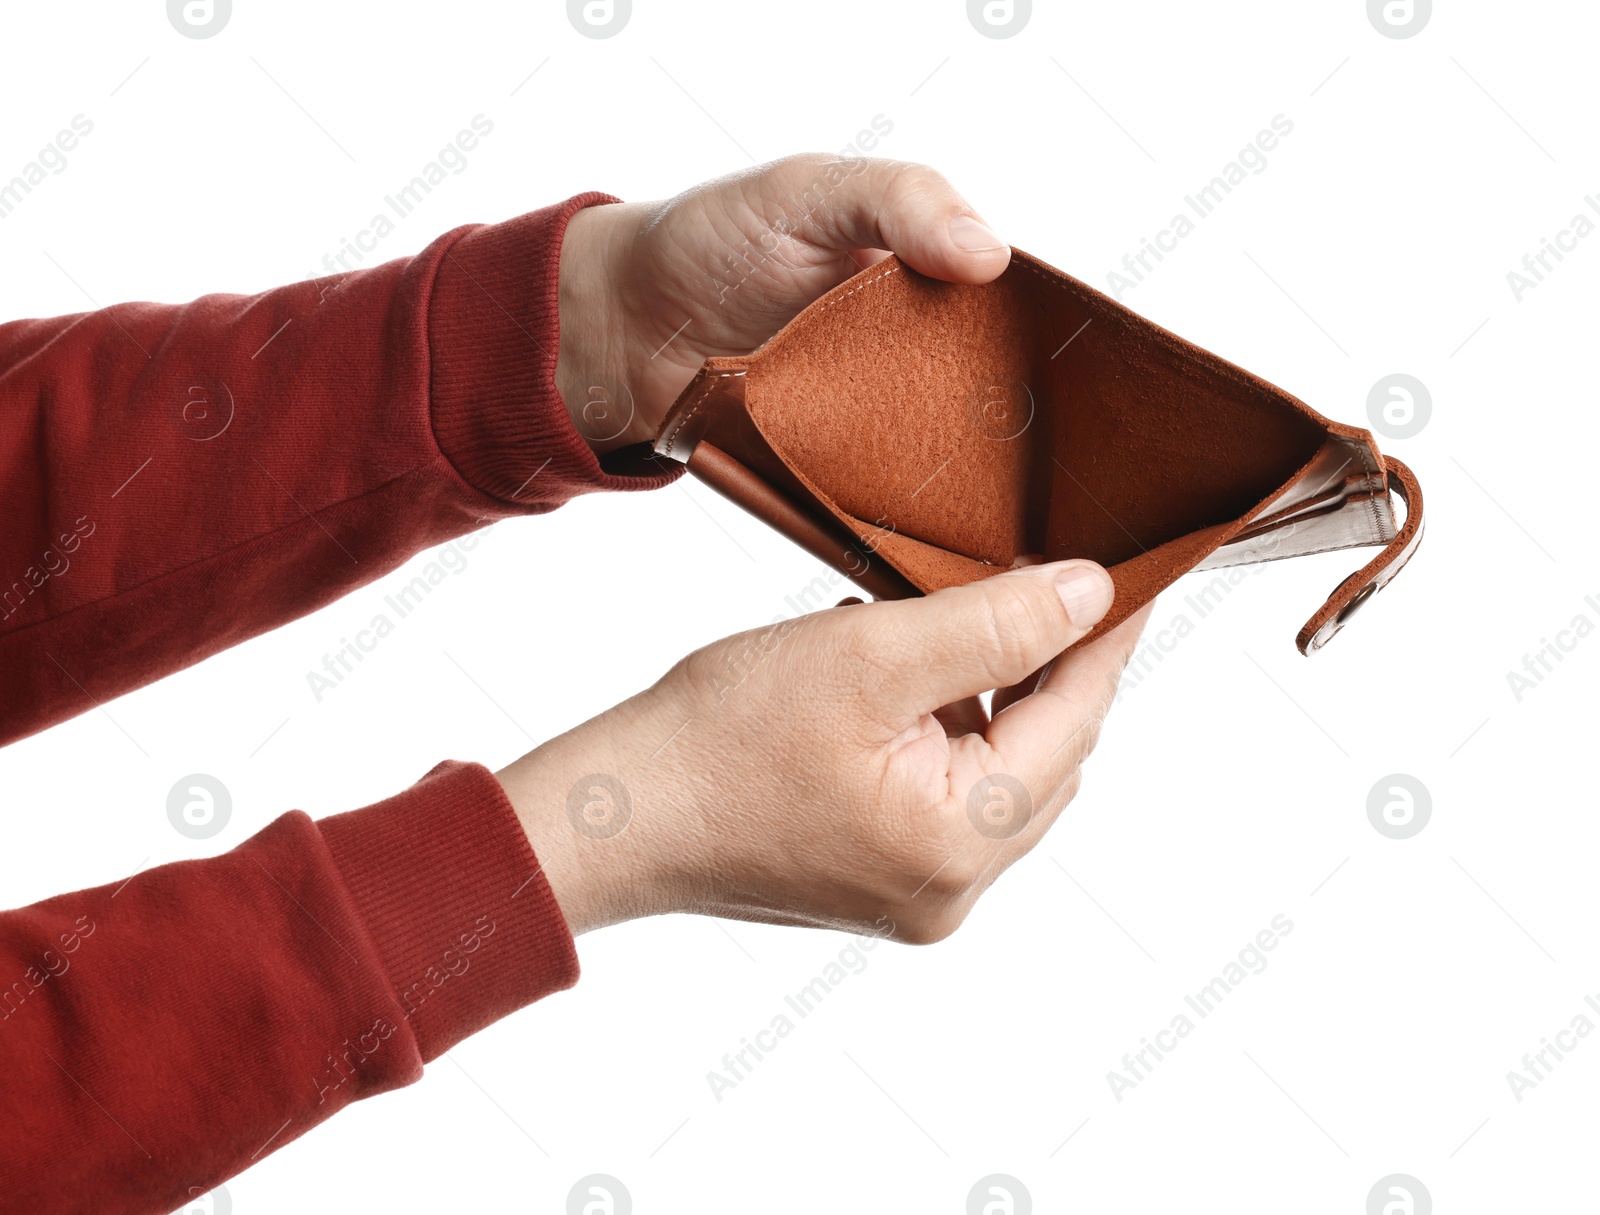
<point x="174" y="480"/>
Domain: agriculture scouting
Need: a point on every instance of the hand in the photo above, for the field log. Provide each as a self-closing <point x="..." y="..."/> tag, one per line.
<point x="648" y="290"/>
<point x="798" y="775"/>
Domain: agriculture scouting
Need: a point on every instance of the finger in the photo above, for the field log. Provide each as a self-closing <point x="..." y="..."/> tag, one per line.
<point x="910" y="209"/>
<point x="1043" y="738"/>
<point x="1004" y="698"/>
<point x="965" y="640"/>
<point x="965" y="716"/>
<point x="868" y="257"/>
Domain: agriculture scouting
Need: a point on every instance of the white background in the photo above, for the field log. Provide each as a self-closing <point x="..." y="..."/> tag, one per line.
<point x="1230" y="784"/>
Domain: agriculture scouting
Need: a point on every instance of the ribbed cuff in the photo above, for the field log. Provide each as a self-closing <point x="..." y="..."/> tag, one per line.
<point x="493" y="334"/>
<point x="453" y="897"/>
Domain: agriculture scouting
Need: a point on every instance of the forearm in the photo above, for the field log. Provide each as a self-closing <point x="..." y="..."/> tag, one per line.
<point x="159" y="1035"/>
<point x="176" y="479"/>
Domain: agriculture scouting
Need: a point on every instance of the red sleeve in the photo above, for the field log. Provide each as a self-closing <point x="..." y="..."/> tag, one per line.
<point x="177" y="478"/>
<point x="173" y="480"/>
<point x="160" y="1035"/>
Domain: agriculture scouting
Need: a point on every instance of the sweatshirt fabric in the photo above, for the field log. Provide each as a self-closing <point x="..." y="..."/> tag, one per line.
<point x="175" y="479"/>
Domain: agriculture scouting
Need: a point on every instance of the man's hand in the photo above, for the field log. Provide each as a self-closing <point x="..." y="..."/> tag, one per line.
<point x="798" y="774"/>
<point x="649" y="290"/>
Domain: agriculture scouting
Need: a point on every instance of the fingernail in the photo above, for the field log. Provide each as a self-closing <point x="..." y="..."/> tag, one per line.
<point x="1086" y="591"/>
<point x="973" y="235"/>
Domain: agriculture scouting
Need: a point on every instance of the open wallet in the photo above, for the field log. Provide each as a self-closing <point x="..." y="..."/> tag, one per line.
<point x="916" y="434"/>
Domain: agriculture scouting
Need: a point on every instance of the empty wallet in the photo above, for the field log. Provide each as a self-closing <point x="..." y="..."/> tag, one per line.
<point x="916" y="434"/>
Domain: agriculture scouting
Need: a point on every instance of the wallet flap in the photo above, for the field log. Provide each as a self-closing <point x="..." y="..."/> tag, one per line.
<point x="1353" y="593"/>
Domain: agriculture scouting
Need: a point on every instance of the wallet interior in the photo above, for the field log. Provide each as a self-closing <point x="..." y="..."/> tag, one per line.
<point x="916" y="434"/>
<point x="955" y="428"/>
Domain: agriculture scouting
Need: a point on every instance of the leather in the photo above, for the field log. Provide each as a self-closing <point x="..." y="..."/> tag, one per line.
<point x="915" y="434"/>
<point x="1353" y="593"/>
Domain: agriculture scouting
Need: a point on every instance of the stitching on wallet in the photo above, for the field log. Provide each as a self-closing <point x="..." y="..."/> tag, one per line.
<point x="855" y="290"/>
<point x="1372" y="502"/>
<point x="672" y="443"/>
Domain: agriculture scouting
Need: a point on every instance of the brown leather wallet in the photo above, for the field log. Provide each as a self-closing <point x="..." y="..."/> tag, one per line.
<point x="916" y="434"/>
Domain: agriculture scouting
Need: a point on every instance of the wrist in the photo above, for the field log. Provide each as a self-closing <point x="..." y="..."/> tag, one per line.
<point x="598" y="835"/>
<point x="593" y="372"/>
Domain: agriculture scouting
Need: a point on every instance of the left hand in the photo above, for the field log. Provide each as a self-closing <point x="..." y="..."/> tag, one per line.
<point x="800" y="774"/>
<point x="649" y="290"/>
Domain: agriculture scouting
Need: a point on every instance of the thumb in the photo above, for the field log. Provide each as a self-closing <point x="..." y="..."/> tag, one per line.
<point x="909" y="209"/>
<point x="990" y="634"/>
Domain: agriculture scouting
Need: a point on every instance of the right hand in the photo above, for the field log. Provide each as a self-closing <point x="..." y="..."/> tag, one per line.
<point x="798" y="774"/>
<point x="649" y="289"/>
